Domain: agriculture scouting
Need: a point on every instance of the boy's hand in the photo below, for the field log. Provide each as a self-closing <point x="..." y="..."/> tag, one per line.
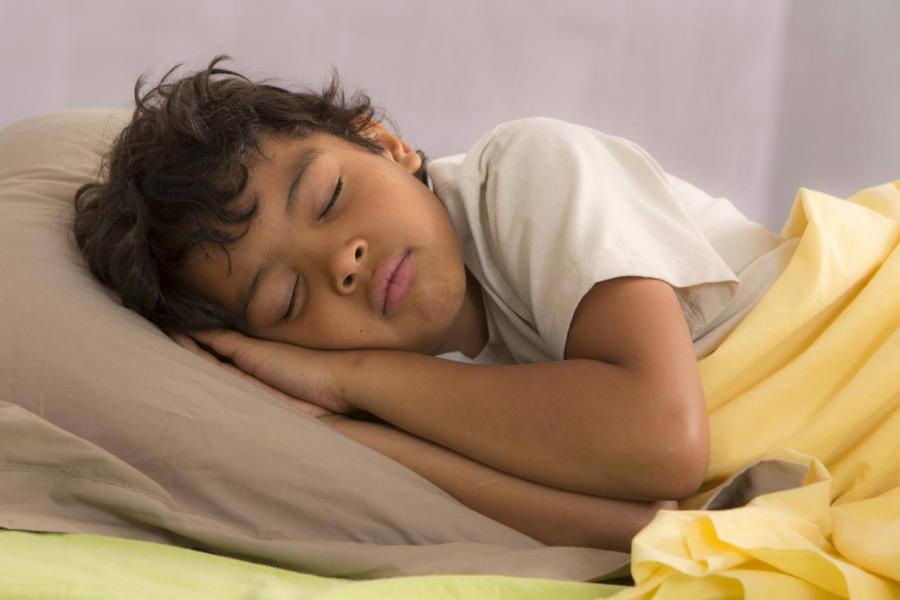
<point x="299" y="375"/>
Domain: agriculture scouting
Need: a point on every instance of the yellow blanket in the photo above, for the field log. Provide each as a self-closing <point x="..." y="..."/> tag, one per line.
<point x="811" y="375"/>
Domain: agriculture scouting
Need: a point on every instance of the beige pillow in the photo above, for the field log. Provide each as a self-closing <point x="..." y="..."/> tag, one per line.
<point x="109" y="427"/>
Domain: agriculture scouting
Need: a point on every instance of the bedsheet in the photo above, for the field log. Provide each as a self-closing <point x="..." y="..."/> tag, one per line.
<point x="48" y="566"/>
<point x="811" y="375"/>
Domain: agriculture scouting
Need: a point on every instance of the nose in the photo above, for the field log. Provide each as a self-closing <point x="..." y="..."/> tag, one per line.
<point x="348" y="261"/>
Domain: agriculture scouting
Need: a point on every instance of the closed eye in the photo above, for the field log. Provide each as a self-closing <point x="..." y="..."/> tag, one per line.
<point x="334" y="197"/>
<point x="337" y="191"/>
<point x="287" y="314"/>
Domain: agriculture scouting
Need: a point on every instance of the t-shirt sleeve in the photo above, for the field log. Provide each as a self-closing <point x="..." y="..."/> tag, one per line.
<point x="565" y="206"/>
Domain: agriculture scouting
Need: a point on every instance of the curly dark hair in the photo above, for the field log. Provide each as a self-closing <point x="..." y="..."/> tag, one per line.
<point x="167" y="181"/>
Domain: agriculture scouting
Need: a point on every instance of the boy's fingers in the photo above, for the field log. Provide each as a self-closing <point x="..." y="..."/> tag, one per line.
<point x="184" y="340"/>
<point x="238" y="372"/>
<point x="215" y="336"/>
<point x="305" y="406"/>
<point x="209" y="338"/>
<point x="187" y="342"/>
<point x="223" y="341"/>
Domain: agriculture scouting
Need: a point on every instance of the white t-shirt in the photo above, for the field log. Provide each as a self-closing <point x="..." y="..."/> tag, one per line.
<point x="543" y="209"/>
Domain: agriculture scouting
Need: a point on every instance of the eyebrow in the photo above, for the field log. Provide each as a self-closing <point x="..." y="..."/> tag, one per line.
<point x="300" y="167"/>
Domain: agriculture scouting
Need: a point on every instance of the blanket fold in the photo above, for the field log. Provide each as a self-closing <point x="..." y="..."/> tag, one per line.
<point x="810" y="376"/>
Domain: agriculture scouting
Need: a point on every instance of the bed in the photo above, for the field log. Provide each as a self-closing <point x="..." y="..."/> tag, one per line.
<point x="132" y="467"/>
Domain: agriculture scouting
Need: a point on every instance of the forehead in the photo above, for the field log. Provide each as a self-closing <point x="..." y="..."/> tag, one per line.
<point x="271" y="165"/>
<point x="274" y="147"/>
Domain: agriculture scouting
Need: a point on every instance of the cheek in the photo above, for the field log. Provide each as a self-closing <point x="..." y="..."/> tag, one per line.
<point x="350" y="329"/>
<point x="330" y="329"/>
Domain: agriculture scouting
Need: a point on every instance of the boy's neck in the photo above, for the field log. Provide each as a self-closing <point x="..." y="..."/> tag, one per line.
<point x="470" y="331"/>
<point x="479" y="317"/>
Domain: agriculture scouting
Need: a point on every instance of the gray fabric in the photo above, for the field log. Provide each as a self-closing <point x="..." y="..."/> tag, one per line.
<point x="762" y="477"/>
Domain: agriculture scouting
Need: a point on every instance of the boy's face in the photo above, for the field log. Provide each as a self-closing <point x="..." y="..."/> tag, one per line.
<point x="382" y="212"/>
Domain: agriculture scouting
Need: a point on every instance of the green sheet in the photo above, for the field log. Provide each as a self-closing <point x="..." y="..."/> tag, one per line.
<point x="50" y="566"/>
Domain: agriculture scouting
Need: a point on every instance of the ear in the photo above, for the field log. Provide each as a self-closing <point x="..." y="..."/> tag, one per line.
<point x="395" y="148"/>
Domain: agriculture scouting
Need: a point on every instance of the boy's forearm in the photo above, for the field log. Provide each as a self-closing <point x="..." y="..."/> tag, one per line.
<point x="578" y="425"/>
<point x="552" y="516"/>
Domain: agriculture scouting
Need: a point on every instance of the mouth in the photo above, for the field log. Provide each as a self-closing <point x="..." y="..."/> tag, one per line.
<point x="390" y="283"/>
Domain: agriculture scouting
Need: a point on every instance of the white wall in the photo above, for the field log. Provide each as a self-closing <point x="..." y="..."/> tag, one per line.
<point x="838" y="126"/>
<point x="746" y="99"/>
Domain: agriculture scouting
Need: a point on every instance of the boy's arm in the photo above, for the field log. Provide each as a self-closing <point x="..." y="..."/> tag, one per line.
<point x="554" y="517"/>
<point x="630" y="423"/>
<point x="570" y="424"/>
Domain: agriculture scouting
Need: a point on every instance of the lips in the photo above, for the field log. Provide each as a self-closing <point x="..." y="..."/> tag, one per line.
<point x="381" y="278"/>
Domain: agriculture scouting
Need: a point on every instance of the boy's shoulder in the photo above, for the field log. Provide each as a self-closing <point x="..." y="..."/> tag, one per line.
<point x="519" y="162"/>
<point x="532" y="147"/>
<point x="529" y="143"/>
<point x="542" y="124"/>
<point x="531" y="124"/>
<point x="528" y="131"/>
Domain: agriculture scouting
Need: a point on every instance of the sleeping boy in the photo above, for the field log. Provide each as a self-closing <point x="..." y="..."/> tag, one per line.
<point x="522" y="321"/>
